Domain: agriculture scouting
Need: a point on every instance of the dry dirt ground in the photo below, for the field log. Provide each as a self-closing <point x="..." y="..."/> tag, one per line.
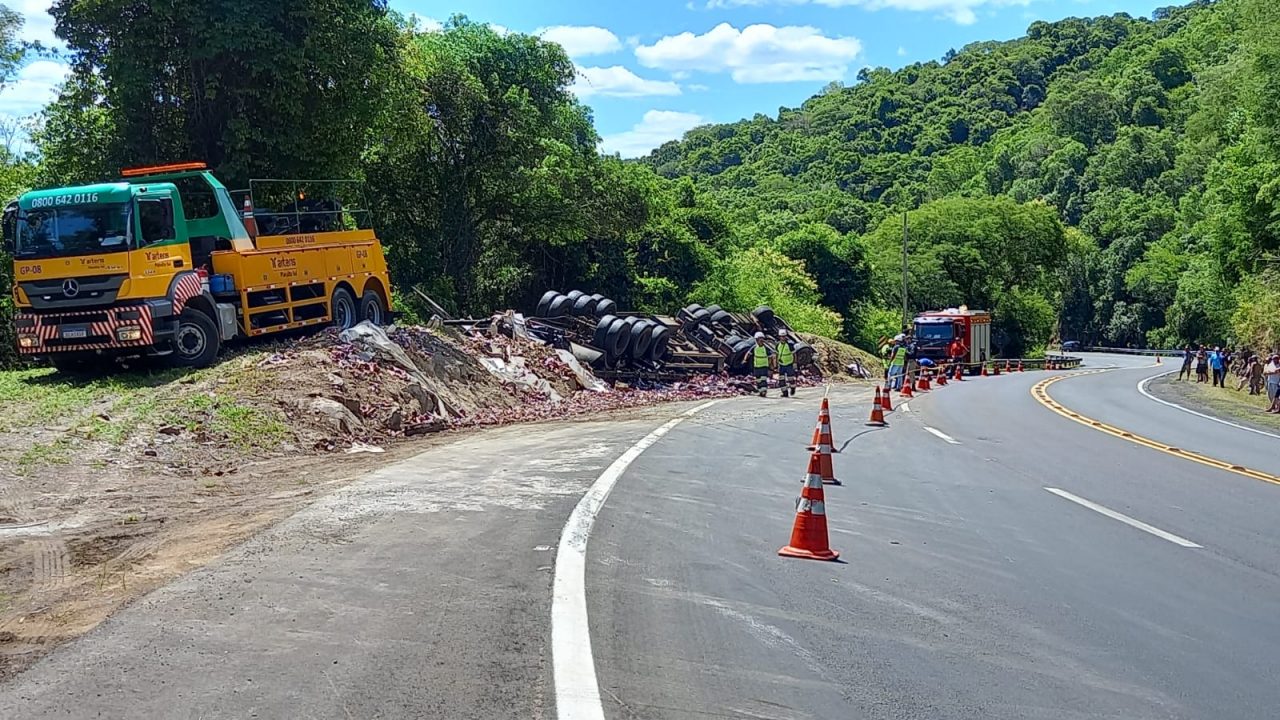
<point x="111" y="486"/>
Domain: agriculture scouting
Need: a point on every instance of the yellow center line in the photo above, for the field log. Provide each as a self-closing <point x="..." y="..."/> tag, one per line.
<point x="1040" y="392"/>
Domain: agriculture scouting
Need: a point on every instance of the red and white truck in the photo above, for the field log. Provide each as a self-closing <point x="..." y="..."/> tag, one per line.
<point x="936" y="331"/>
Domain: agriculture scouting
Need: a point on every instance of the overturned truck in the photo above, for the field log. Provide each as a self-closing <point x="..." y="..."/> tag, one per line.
<point x="696" y="340"/>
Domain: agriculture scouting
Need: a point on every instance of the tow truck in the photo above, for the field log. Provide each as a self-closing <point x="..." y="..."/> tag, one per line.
<point x="162" y="263"/>
<point x="934" y="332"/>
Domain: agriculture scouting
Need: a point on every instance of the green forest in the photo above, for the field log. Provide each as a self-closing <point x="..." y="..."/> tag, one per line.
<point x="1112" y="180"/>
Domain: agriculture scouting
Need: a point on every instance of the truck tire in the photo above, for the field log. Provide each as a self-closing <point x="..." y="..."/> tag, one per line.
<point x="196" y="342"/>
<point x="544" y="303"/>
<point x="700" y="316"/>
<point x="658" y="347"/>
<point x="713" y="309"/>
<point x="641" y="339"/>
<point x="616" y="339"/>
<point x="741" y="352"/>
<point x="804" y="353"/>
<point x="584" y="306"/>
<point x="606" y="307"/>
<point x="764" y="314"/>
<point x="342" y="309"/>
<point x="372" y="309"/>
<point x="574" y="295"/>
<point x="559" y="307"/>
<point x="722" y="318"/>
<point x="602" y="330"/>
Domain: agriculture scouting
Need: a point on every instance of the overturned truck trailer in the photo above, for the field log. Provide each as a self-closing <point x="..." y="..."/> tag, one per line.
<point x="695" y="340"/>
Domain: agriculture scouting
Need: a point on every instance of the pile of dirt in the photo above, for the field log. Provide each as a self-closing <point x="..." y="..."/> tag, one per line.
<point x="841" y="362"/>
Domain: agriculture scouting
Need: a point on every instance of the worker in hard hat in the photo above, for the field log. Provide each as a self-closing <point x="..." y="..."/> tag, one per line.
<point x="762" y="362"/>
<point x="897" y="357"/>
<point x="786" y="364"/>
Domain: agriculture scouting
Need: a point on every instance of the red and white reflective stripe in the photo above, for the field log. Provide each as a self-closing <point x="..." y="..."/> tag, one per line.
<point x="52" y="331"/>
<point x="813" y="507"/>
<point x="187" y="287"/>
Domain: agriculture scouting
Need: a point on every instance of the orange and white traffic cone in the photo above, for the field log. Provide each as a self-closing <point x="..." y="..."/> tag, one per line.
<point x="1007" y="366"/>
<point x="942" y="378"/>
<point x="250" y="225"/>
<point x="906" y="388"/>
<point x="922" y="382"/>
<point x="886" y="403"/>
<point x="877" y="412"/>
<point x="809" y="532"/>
<point x="824" y="446"/>
<point x="959" y="372"/>
<point x="1020" y="368"/>
<point x="984" y="371"/>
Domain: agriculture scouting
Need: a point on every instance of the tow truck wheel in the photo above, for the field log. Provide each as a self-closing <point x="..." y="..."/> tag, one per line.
<point x="371" y="308"/>
<point x="196" y="342"/>
<point x="342" y="309"/>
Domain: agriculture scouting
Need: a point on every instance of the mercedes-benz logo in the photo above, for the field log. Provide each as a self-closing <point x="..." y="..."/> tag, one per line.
<point x="70" y="288"/>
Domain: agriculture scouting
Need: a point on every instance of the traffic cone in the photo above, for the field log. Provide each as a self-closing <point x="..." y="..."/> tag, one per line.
<point x="984" y="371"/>
<point x="823" y="445"/>
<point x="906" y="389"/>
<point x="1158" y="360"/>
<point x="1020" y="369"/>
<point x="1007" y="366"/>
<point x="250" y="225"/>
<point x="995" y="368"/>
<point x="922" y="383"/>
<point x="809" y="533"/>
<point x="877" y="412"/>
<point x="886" y="403"/>
<point x="959" y="372"/>
<point x="942" y="378"/>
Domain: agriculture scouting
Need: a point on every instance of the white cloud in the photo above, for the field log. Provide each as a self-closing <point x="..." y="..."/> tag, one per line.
<point x="423" y="23"/>
<point x="618" y="81"/>
<point x="656" y="128"/>
<point x="698" y="88"/>
<point x="581" y="40"/>
<point x="961" y="11"/>
<point x="755" y="54"/>
<point x="37" y="23"/>
<point x="35" y="86"/>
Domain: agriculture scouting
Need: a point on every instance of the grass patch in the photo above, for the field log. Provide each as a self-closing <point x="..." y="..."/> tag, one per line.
<point x="244" y="426"/>
<point x="41" y="455"/>
<point x="1230" y="404"/>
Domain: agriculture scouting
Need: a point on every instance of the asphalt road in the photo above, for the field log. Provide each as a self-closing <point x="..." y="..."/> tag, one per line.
<point x="967" y="589"/>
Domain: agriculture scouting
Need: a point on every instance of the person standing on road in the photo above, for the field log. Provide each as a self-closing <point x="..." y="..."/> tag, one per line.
<point x="1217" y="362"/>
<point x="1188" y="355"/>
<point x="786" y="364"/>
<point x="1202" y="365"/>
<point x="957" y="351"/>
<point x="762" y="360"/>
<point x="897" y="362"/>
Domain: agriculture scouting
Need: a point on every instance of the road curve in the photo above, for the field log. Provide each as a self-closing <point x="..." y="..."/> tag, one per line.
<point x="998" y="561"/>
<point x="968" y="591"/>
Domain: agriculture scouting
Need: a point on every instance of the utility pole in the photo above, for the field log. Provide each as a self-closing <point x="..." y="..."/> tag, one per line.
<point x="906" y="319"/>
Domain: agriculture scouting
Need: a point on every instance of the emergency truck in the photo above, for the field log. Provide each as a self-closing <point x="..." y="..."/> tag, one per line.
<point x="935" y="331"/>
<point x="162" y="263"/>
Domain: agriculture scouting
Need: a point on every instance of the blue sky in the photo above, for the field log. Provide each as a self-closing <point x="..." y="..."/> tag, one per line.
<point x="653" y="69"/>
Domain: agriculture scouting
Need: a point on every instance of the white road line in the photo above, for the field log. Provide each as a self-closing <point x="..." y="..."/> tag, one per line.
<point x="1124" y="518"/>
<point x="942" y="435"/>
<point x="573" y="665"/>
<point x="1142" y="388"/>
<point x="906" y="407"/>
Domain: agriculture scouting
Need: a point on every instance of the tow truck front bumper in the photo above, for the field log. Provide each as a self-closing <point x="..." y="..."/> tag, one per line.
<point x="136" y="326"/>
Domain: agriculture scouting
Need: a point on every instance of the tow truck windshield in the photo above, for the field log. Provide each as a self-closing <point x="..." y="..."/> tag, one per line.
<point x="69" y="231"/>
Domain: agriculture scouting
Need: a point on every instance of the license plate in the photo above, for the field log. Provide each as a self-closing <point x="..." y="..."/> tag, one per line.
<point x="74" y="333"/>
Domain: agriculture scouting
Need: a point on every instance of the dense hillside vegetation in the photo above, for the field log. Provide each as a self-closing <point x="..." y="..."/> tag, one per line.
<point x="1111" y="180"/>
<point x="1115" y="175"/>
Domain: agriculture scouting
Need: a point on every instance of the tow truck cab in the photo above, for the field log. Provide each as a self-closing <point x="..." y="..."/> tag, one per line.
<point x="934" y="332"/>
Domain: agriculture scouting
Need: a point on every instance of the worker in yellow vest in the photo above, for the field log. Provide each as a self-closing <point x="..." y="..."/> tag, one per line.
<point x="786" y="364"/>
<point x="762" y="360"/>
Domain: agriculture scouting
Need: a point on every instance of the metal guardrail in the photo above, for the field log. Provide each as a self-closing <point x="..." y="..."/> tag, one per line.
<point x="1133" y="351"/>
